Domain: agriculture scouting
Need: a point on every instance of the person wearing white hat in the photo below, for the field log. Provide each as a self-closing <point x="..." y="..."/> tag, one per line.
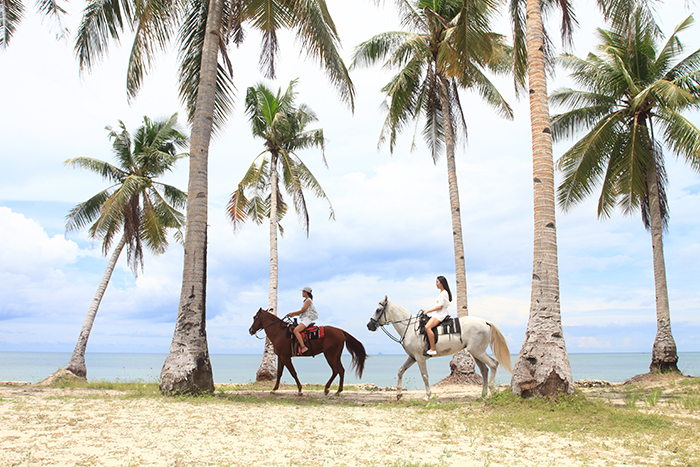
<point x="307" y="315"/>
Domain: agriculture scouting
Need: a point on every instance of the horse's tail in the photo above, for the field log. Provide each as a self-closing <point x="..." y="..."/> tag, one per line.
<point x="359" y="355"/>
<point x="500" y="348"/>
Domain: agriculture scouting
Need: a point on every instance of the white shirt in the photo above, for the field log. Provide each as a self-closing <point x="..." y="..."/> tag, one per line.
<point x="443" y="300"/>
<point x="310" y="315"/>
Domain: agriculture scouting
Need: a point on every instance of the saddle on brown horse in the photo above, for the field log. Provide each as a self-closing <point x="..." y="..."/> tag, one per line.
<point x="312" y="332"/>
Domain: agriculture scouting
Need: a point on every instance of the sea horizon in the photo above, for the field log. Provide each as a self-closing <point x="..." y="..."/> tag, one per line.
<point x="380" y="369"/>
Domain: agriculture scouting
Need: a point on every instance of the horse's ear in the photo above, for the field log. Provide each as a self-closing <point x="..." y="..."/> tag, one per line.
<point x="385" y="301"/>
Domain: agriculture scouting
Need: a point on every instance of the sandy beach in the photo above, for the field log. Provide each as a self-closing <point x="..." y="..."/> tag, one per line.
<point x="43" y="426"/>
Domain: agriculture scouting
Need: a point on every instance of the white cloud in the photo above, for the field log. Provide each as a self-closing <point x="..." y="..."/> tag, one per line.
<point x="26" y="249"/>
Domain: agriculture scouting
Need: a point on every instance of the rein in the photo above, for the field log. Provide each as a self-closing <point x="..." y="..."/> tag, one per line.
<point x="281" y="322"/>
<point x="381" y="326"/>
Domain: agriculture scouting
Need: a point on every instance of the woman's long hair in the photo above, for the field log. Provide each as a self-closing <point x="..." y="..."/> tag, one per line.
<point x="311" y="296"/>
<point x="445" y="285"/>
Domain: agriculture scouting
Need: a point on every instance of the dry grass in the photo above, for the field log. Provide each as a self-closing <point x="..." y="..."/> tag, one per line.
<point x="646" y="423"/>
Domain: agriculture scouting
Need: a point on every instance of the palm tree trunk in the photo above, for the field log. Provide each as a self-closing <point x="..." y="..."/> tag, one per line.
<point x="542" y="367"/>
<point x="664" y="356"/>
<point x="462" y="363"/>
<point x="268" y="369"/>
<point x="187" y="369"/>
<point x="76" y="365"/>
<point x="460" y="268"/>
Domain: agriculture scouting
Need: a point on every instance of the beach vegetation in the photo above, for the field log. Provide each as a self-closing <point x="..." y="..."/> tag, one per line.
<point x="283" y="127"/>
<point x="136" y="208"/>
<point x="585" y="423"/>
<point x="635" y="90"/>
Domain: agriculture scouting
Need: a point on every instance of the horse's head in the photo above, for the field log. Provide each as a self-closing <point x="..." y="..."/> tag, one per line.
<point x="257" y="322"/>
<point x="379" y="316"/>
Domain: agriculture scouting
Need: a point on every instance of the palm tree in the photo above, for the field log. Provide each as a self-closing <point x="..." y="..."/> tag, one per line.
<point x="136" y="205"/>
<point x="449" y="46"/>
<point x="282" y="126"/>
<point x="432" y="67"/>
<point x="12" y="12"/>
<point x="206" y="29"/>
<point x="631" y="108"/>
<point x="542" y="367"/>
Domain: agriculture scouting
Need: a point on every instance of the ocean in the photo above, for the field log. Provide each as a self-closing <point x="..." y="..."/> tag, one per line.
<point x="381" y="370"/>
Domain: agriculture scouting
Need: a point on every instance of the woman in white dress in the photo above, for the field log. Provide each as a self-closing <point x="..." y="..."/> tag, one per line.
<point x="439" y="312"/>
<point x="307" y="315"/>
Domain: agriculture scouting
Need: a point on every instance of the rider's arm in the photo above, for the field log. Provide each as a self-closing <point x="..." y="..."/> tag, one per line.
<point x="304" y="307"/>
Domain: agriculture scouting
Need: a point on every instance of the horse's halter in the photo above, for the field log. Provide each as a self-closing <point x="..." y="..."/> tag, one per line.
<point x="263" y="328"/>
<point x="377" y="323"/>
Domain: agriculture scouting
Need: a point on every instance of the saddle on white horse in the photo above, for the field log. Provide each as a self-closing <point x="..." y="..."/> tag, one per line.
<point x="447" y="326"/>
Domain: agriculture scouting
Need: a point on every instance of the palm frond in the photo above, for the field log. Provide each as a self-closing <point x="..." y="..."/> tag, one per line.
<point x="155" y="20"/>
<point x="104" y="169"/>
<point x="319" y="40"/>
<point x="11" y="14"/>
<point x="53" y="10"/>
<point x="377" y="48"/>
<point x="103" y="21"/>
<point x="681" y="135"/>
<point x="191" y="40"/>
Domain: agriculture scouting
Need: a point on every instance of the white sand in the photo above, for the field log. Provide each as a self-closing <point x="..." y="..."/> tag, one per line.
<point x="79" y="427"/>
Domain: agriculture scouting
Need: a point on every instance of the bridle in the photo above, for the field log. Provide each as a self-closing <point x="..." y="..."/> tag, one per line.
<point x="263" y="328"/>
<point x="386" y="321"/>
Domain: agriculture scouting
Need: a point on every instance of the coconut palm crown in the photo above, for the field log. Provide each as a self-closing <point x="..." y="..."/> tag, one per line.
<point x="635" y="91"/>
<point x="283" y="127"/>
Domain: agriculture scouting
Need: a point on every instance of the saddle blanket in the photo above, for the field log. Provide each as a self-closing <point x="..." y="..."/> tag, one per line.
<point x="449" y="326"/>
<point x="312" y="332"/>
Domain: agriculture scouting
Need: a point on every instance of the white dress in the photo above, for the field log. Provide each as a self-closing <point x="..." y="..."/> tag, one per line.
<point x="310" y="315"/>
<point x="443" y="300"/>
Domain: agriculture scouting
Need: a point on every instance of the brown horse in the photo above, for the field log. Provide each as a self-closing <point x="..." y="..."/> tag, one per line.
<point x="331" y="345"/>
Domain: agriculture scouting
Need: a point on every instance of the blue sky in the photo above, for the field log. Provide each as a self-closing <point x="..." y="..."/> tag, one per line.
<point x="391" y="236"/>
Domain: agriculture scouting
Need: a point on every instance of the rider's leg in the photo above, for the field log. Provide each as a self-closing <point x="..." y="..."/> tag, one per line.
<point x="297" y="332"/>
<point x="432" y="322"/>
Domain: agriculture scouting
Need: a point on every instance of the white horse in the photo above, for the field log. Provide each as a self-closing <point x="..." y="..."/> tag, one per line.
<point x="476" y="335"/>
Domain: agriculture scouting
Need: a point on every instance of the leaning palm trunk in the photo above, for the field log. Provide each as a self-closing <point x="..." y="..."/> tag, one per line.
<point x="267" y="370"/>
<point x="76" y="365"/>
<point x="542" y="367"/>
<point x="664" y="356"/>
<point x="462" y="363"/>
<point x="187" y="369"/>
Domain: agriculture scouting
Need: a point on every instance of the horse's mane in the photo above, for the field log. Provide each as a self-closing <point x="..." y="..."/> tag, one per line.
<point x="389" y="302"/>
<point x="277" y="318"/>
